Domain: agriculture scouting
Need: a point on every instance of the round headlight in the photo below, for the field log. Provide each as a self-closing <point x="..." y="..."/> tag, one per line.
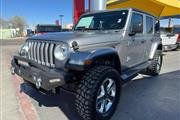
<point x="24" y="50"/>
<point x="61" y="51"/>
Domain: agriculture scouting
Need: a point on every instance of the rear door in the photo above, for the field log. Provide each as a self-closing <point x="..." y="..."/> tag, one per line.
<point x="149" y="32"/>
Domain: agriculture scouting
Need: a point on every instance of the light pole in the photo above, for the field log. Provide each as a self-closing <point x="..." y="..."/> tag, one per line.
<point x="61" y="18"/>
<point x="169" y="22"/>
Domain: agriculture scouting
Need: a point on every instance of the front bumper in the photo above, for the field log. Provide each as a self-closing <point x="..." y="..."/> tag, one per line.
<point x="41" y="76"/>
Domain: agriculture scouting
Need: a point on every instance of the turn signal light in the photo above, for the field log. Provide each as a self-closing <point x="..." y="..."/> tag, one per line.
<point x="88" y="62"/>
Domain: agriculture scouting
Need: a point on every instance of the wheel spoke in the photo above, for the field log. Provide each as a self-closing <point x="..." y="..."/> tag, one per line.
<point x="110" y="98"/>
<point x="112" y="90"/>
<point x="159" y="60"/>
<point x="102" y="106"/>
<point x="100" y="100"/>
<point x="110" y="85"/>
<point x="108" y="105"/>
<point x="106" y="95"/>
<point x="158" y="66"/>
<point x="102" y="92"/>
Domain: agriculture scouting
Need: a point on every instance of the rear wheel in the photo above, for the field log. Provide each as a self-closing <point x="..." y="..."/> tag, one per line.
<point x="155" y="67"/>
<point x="98" y="93"/>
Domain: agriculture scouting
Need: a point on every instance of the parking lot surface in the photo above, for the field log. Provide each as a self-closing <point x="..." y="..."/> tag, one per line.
<point x="144" y="98"/>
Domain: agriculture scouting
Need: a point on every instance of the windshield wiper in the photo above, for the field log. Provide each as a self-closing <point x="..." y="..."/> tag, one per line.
<point x="83" y="28"/>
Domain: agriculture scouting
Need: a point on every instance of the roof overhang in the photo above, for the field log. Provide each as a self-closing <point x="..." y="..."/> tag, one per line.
<point x="158" y="8"/>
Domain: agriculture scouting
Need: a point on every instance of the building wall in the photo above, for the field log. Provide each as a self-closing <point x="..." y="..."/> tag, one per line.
<point x="7" y="33"/>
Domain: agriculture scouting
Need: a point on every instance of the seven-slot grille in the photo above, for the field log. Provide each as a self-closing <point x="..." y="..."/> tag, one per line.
<point x="42" y="52"/>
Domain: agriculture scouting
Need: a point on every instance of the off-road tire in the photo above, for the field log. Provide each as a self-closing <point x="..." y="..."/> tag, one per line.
<point x="87" y="91"/>
<point x="152" y="69"/>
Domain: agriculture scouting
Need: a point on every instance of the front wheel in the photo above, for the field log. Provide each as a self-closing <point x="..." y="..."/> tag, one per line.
<point x="98" y="93"/>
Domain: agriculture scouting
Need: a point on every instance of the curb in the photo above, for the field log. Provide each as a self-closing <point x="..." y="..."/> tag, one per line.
<point x="26" y="106"/>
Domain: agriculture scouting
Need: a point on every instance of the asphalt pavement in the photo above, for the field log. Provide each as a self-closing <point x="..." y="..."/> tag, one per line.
<point x="144" y="98"/>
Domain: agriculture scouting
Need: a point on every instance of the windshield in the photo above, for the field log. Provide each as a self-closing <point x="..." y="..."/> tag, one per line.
<point x="103" y="21"/>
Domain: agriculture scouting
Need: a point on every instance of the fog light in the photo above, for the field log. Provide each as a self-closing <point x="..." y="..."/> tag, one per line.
<point x="12" y="70"/>
<point x="54" y="80"/>
<point x="19" y="71"/>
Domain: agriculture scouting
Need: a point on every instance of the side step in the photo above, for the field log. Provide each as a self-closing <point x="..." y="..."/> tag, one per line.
<point x="129" y="74"/>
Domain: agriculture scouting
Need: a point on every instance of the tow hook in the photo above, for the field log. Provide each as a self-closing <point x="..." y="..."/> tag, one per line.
<point x="38" y="83"/>
<point x="13" y="70"/>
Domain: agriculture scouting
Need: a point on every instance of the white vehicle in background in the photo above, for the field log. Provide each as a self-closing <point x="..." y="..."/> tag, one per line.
<point x="170" y="38"/>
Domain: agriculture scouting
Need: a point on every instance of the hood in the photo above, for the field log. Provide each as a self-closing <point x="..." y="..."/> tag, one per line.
<point x="55" y="36"/>
<point x="84" y="39"/>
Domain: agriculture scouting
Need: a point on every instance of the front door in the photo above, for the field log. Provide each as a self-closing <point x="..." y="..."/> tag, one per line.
<point x="136" y="40"/>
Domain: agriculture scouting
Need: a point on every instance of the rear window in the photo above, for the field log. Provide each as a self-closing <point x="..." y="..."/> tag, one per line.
<point x="157" y="26"/>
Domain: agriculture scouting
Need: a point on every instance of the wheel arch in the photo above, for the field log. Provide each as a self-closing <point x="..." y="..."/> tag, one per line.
<point x="109" y="54"/>
<point x="93" y="56"/>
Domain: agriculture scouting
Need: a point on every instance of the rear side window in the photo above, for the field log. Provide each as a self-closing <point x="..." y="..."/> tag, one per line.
<point x="157" y="26"/>
<point x="137" y="23"/>
<point x="149" y="25"/>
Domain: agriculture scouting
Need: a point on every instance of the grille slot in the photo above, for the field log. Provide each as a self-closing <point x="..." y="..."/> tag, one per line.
<point x="42" y="52"/>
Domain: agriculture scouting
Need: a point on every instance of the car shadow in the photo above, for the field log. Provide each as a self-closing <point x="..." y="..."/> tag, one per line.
<point x="64" y="100"/>
<point x="145" y="98"/>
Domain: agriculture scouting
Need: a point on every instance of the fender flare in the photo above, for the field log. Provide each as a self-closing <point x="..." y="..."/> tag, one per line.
<point x="77" y="59"/>
<point x="155" y="46"/>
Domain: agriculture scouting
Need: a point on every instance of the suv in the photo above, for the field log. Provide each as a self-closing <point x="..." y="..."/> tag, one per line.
<point x="105" y="50"/>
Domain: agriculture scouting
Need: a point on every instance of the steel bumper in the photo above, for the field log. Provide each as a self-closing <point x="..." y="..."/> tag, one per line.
<point x="41" y="76"/>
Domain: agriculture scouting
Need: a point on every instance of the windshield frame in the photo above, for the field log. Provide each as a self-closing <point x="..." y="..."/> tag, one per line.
<point x="106" y="12"/>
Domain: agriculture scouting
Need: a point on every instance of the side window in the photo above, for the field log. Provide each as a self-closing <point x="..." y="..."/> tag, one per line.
<point x="157" y="26"/>
<point x="137" y="23"/>
<point x="149" y="25"/>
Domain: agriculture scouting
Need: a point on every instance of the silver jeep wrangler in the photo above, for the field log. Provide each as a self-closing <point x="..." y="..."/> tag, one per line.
<point x="105" y="50"/>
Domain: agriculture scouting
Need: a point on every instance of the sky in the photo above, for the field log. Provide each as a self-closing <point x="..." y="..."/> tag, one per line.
<point x="38" y="11"/>
<point x="44" y="11"/>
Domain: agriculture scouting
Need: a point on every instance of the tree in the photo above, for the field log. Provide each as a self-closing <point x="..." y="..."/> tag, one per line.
<point x="18" y="22"/>
<point x="3" y="23"/>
